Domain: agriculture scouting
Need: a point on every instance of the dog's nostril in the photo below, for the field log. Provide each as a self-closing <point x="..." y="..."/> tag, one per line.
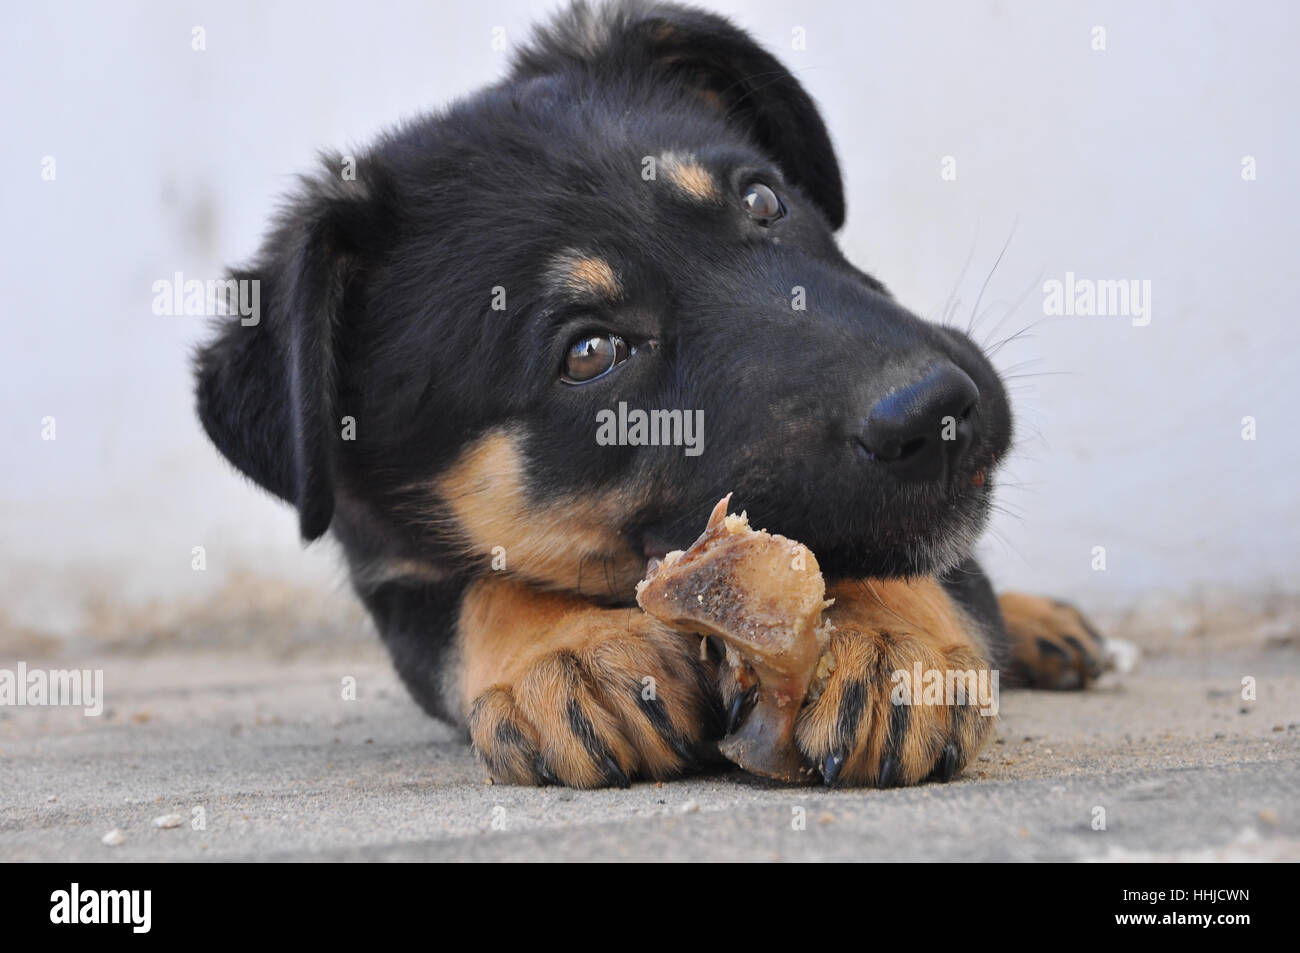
<point x="920" y="431"/>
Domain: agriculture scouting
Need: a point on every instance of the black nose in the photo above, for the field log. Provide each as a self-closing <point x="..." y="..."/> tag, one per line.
<point x="920" y="431"/>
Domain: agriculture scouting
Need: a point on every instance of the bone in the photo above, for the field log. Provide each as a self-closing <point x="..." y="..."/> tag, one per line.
<point x="763" y="596"/>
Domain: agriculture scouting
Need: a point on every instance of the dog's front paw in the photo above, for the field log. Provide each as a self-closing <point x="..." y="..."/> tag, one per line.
<point x="910" y="698"/>
<point x="636" y="703"/>
<point x="1052" y="644"/>
<point x="875" y="724"/>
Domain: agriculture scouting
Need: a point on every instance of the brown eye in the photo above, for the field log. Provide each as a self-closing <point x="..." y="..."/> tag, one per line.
<point x="592" y="356"/>
<point x="762" y="204"/>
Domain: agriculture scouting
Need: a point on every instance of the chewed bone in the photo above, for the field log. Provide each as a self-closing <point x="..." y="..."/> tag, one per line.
<point x="763" y="596"/>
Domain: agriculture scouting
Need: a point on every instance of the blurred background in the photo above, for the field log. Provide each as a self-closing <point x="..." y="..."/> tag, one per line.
<point x="1116" y="141"/>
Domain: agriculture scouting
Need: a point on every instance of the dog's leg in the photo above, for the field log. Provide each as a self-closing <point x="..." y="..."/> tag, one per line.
<point x="558" y="689"/>
<point x="1036" y="642"/>
<point x="1051" y="644"/>
<point x="866" y="726"/>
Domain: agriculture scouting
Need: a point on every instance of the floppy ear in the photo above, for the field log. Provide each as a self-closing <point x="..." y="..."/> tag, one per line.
<point x="717" y="60"/>
<point x="266" y="390"/>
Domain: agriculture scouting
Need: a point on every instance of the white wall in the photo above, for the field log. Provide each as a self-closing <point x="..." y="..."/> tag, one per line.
<point x="1116" y="164"/>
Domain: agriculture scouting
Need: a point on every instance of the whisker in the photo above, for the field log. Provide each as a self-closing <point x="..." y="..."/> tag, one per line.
<point x="1016" y="377"/>
<point x="1012" y="309"/>
<point x="970" y="326"/>
<point x="949" y="306"/>
<point x="1022" y="334"/>
<point x="1003" y="541"/>
<point x="1019" y="365"/>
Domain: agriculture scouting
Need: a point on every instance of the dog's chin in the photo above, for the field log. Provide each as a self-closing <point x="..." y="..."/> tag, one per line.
<point x="919" y="558"/>
<point x="934" y="542"/>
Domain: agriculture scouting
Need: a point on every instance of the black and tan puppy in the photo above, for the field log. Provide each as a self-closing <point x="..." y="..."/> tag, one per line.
<point x="640" y="218"/>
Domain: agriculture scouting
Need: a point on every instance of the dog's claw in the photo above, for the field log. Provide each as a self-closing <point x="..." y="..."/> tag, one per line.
<point x="948" y="763"/>
<point x="888" y="772"/>
<point x="831" y="768"/>
<point x="544" y="774"/>
<point x="683" y="750"/>
<point x="616" y="775"/>
<point x="740" y="706"/>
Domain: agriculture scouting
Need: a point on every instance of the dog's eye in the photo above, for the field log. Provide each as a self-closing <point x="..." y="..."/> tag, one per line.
<point x="762" y="204"/>
<point x="592" y="356"/>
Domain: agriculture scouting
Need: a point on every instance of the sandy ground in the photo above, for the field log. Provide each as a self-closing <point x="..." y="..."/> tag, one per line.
<point x="283" y="768"/>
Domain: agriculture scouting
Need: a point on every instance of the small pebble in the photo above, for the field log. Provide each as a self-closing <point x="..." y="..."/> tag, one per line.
<point x="1121" y="655"/>
<point x="690" y="807"/>
<point x="168" y="821"/>
<point x="114" y="838"/>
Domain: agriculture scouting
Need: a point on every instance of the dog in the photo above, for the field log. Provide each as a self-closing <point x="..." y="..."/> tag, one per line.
<point x="639" y="217"/>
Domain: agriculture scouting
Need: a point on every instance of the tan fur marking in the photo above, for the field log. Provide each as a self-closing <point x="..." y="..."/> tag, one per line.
<point x="587" y="276"/>
<point x="916" y="605"/>
<point x="506" y="625"/>
<point x="689" y="177"/>
<point x="390" y="568"/>
<point x="712" y="99"/>
<point x="564" y="543"/>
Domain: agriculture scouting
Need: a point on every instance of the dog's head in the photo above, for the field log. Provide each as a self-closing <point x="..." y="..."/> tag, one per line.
<point x="475" y="347"/>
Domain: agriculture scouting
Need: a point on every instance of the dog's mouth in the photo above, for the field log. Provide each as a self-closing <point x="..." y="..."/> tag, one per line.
<point x="884" y="539"/>
<point x="655" y="548"/>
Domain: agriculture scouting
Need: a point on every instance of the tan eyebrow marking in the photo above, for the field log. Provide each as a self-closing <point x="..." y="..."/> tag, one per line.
<point x="587" y="276"/>
<point x="690" y="177"/>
